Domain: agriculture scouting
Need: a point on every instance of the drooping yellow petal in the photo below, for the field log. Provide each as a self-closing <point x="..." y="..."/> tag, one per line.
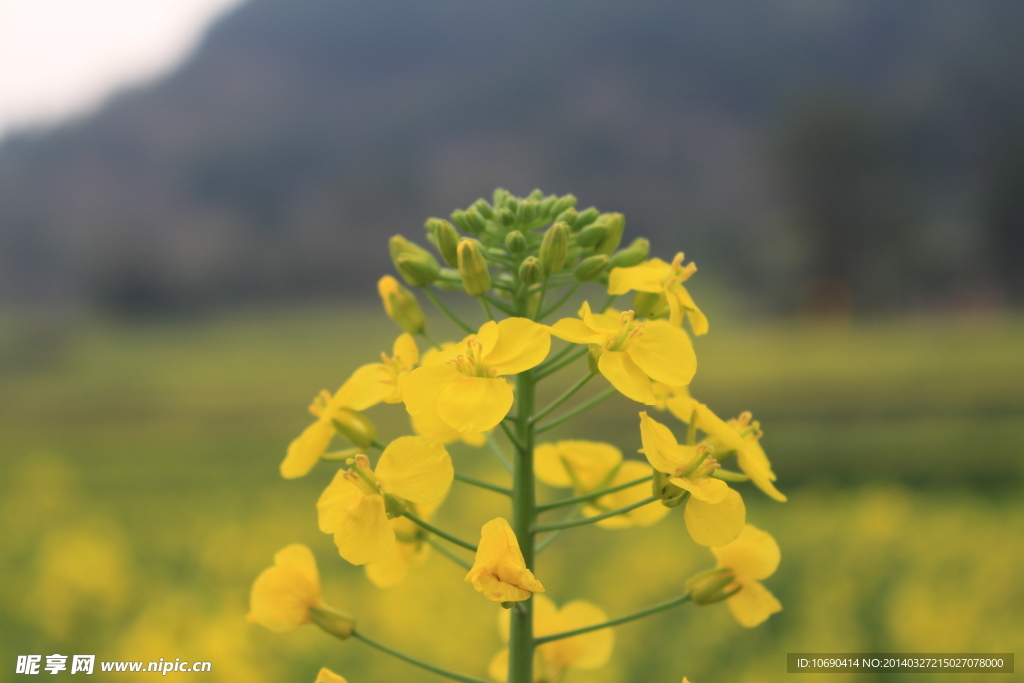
<point x="367" y="387"/>
<point x="646" y="515"/>
<point x="681" y="404"/>
<point x="753" y="604"/>
<point x="328" y="676"/>
<point x="576" y="331"/>
<point x="423" y="386"/>
<point x="715" y="524"/>
<point x="405" y="350"/>
<point x="624" y="375"/>
<point x="698" y="321"/>
<point x="754" y="555"/>
<point x="522" y="344"/>
<point x="585" y="464"/>
<point x="660" y="446"/>
<point x="305" y="451"/>
<point x="416" y="468"/>
<point x="664" y="353"/>
<point x="363" y="533"/>
<point x="548" y="466"/>
<point x="588" y="651"/>
<point x="499" y="571"/>
<point x="282" y="594"/>
<point x="646" y="277"/>
<point x="752" y="460"/>
<point x="704" y="489"/>
<point x="475" y="404"/>
<point x="395" y="567"/>
<point x="487" y="336"/>
<point x="340" y="495"/>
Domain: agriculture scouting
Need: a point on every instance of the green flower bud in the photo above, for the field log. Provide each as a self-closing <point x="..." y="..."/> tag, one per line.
<point x="483" y="208"/>
<point x="565" y="203"/>
<point x="530" y="271"/>
<point x="499" y="197"/>
<point x="355" y="427"/>
<point x="536" y="195"/>
<point x="568" y="216"/>
<point x="470" y="221"/>
<point x="512" y="204"/>
<point x="590" y="269"/>
<point x="591" y="235"/>
<point x="710" y="586"/>
<point x="415" y="264"/>
<point x="473" y="267"/>
<point x="527" y="211"/>
<point x="505" y="216"/>
<point x="631" y="255"/>
<point x="446" y="238"/>
<point x="650" y="305"/>
<point x="615" y="223"/>
<point x="515" y="242"/>
<point x="401" y="306"/>
<point x="338" y="624"/>
<point x="553" y="248"/>
<point x="586" y="218"/>
<point x="546" y="206"/>
<point x="593" y="356"/>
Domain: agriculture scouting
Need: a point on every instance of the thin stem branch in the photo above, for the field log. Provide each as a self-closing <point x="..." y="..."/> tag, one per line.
<point x="423" y="333"/>
<point x="483" y="484"/>
<point x="563" y="398"/>
<point x="540" y="299"/>
<point x="444" y="309"/>
<point x="596" y="518"/>
<point x="551" y="424"/>
<point x="558" y="304"/>
<point x="487" y="306"/>
<point x="609" y="302"/>
<point x="449" y="554"/>
<point x="553" y="367"/>
<point x="498" y="453"/>
<point x="500" y="305"/>
<point x="415" y="662"/>
<point x="554" y="534"/>
<point x="443" y="534"/>
<point x="511" y="436"/>
<point x="554" y="359"/>
<point x="592" y="496"/>
<point x="614" y="622"/>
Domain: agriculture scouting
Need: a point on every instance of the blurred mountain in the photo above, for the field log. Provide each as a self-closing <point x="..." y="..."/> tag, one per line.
<point x="812" y="154"/>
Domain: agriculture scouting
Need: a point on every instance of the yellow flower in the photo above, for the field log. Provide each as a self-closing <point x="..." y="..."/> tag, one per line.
<point x="499" y="571"/>
<point x="467" y="392"/>
<point x="753" y="556"/>
<point x="283" y="594"/>
<point x="665" y="279"/>
<point x="328" y="676"/>
<point x="633" y="353"/>
<point x="588" y="651"/>
<point x="714" y="512"/>
<point x="369" y="385"/>
<point x="445" y="434"/>
<point x="410" y="549"/>
<point x="588" y="466"/>
<point x="400" y="305"/>
<point x="739" y="435"/>
<point x="358" y="503"/>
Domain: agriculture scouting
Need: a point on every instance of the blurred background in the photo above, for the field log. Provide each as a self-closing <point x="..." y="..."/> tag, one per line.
<point x="192" y="225"/>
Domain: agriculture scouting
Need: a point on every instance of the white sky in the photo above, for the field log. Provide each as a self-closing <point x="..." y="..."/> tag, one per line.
<point x="62" y="58"/>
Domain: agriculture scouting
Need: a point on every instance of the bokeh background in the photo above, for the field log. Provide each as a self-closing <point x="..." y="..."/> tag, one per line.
<point x="183" y="267"/>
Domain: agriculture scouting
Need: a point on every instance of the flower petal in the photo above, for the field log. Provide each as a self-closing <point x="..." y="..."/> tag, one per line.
<point x="395" y="567"/>
<point x="647" y="515"/>
<point x="548" y="466"/>
<point x="588" y="651"/>
<point x="305" y="451"/>
<point x="498" y="668"/>
<point x="706" y="489"/>
<point x="328" y="676"/>
<point x="369" y="385"/>
<point x="625" y="376"/>
<point x="664" y="353"/>
<point x="698" y="321"/>
<point x="754" y="555"/>
<point x="282" y="594"/>
<point x="405" y="350"/>
<point x="754" y="463"/>
<point x="363" y="533"/>
<point x="475" y="404"/>
<point x="646" y="277"/>
<point x="753" y="604"/>
<point x="422" y="387"/>
<point x="718" y="523"/>
<point x="589" y="463"/>
<point x="521" y="345"/>
<point x="660" y="446"/>
<point x="340" y="495"/>
<point x="576" y="331"/>
<point x="499" y="571"/>
<point x="415" y="468"/>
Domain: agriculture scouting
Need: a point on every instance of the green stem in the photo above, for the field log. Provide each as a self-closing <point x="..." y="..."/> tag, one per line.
<point x="482" y="484"/>
<point x="444" y="309"/>
<point x="524" y="516"/>
<point x="500" y="305"/>
<point x="554" y="534"/>
<point x="498" y="453"/>
<point x="487" y="306"/>
<point x="449" y="554"/>
<point x="551" y="368"/>
<point x="537" y="371"/>
<point x="443" y="534"/>
<point x="415" y="662"/>
<point x="614" y="622"/>
<point x="729" y="475"/>
<point x="559" y="303"/>
<point x="607" y="304"/>
<point x="423" y="333"/>
<point x="563" y="398"/>
<point x="595" y="518"/>
<point x="540" y="299"/>
<point x="551" y="424"/>
<point x="592" y="496"/>
<point x="511" y="435"/>
<point x="378" y="445"/>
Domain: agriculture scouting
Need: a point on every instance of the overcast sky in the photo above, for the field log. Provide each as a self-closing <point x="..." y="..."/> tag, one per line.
<point x="62" y="58"/>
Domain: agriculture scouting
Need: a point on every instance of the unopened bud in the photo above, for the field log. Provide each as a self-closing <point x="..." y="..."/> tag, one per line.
<point x="483" y="208"/>
<point x="631" y="255"/>
<point x="476" y="278"/>
<point x="616" y="223"/>
<point x="512" y="204"/>
<point x="355" y="427"/>
<point x="585" y="218"/>
<point x="554" y="247"/>
<point x="547" y="205"/>
<point x="446" y="238"/>
<point x="564" y="203"/>
<point x="568" y="216"/>
<point x="505" y="216"/>
<point x="527" y="211"/>
<point x="470" y="221"/>
<point x="413" y="262"/>
<point x="401" y="306"/>
<point x="710" y="586"/>
<point x="591" y="235"/>
<point x="338" y="624"/>
<point x="530" y="271"/>
<point x="515" y="242"/>
<point x="590" y="269"/>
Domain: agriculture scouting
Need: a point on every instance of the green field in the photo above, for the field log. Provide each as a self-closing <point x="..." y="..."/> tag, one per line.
<point x="140" y="497"/>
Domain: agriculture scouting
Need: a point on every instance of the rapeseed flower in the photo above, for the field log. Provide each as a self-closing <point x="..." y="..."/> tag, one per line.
<point x="359" y="502"/>
<point x="666" y="280"/>
<point x="328" y="676"/>
<point x="499" y="571"/>
<point x="632" y="353"/>
<point x="753" y="556"/>
<point x="283" y="595"/>
<point x="551" y="660"/>
<point x="410" y="549"/>
<point x="714" y="512"/>
<point x="467" y="392"/>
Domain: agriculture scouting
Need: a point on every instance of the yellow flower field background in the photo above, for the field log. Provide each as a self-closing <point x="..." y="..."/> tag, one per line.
<point x="140" y="496"/>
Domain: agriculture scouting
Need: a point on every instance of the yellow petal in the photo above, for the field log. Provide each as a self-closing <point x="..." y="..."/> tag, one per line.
<point x="664" y="353"/>
<point x="476" y="439"/>
<point x="705" y="489"/>
<point x="649" y="514"/>
<point x="487" y="336"/>
<point x="576" y="331"/>
<point x="363" y="533"/>
<point x="698" y="321"/>
<point x="589" y="463"/>
<point x="328" y="676"/>
<point x="681" y="404"/>
<point x="415" y="468"/>
<point x="548" y="466"/>
<point x="282" y="595"/>
<point x="754" y="463"/>
<point x="368" y="386"/>
<point x="609" y="321"/>
<point x="660" y="446"/>
<point x="754" y="555"/>
<point x="646" y="277"/>
<point x="715" y="524"/>
<point x="395" y="567"/>
<point x="588" y="651"/>
<point x="498" y="668"/>
<point x="625" y="376"/>
<point x="475" y="404"/>
<point x="545" y="617"/>
<point x="753" y="604"/>
<point x="521" y="345"/>
<point x="499" y="571"/>
<point x="405" y="350"/>
<point x="422" y="387"/>
<point x="340" y="495"/>
<point x="305" y="451"/>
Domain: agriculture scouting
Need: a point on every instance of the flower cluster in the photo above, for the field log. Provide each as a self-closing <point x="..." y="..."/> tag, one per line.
<point x="525" y="258"/>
